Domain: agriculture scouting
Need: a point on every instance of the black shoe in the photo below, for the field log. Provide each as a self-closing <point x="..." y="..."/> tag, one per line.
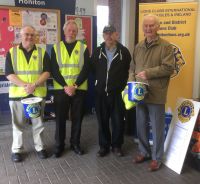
<point x="118" y="152"/>
<point x="77" y="149"/>
<point x="102" y="152"/>
<point x="57" y="153"/>
<point x="16" y="157"/>
<point x="42" y="154"/>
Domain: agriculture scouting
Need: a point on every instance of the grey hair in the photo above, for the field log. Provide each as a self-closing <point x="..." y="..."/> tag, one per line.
<point x="155" y="17"/>
<point x="29" y="26"/>
<point x="71" y="21"/>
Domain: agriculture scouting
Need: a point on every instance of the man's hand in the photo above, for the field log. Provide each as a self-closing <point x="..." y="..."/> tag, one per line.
<point x="70" y="90"/>
<point x="29" y="88"/>
<point x="142" y="75"/>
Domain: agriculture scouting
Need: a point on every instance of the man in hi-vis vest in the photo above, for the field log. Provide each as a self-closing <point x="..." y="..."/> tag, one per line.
<point x="70" y="68"/>
<point x="27" y="67"/>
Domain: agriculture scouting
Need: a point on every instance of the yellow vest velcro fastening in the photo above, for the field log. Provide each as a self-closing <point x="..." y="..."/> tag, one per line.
<point x="70" y="66"/>
<point x="27" y="72"/>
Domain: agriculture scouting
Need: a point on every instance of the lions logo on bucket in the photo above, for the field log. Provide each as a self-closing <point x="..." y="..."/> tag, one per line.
<point x="185" y="111"/>
<point x="33" y="110"/>
<point x="139" y="92"/>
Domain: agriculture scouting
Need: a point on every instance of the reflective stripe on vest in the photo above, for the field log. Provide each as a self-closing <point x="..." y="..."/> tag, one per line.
<point x="28" y="74"/>
<point x="70" y="78"/>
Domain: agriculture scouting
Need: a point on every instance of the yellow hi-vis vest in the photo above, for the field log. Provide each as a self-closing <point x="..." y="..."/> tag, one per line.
<point x="70" y="66"/>
<point x="27" y="72"/>
<point x="128" y="104"/>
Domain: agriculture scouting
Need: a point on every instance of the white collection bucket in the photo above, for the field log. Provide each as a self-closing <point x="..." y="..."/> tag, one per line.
<point x="32" y="108"/>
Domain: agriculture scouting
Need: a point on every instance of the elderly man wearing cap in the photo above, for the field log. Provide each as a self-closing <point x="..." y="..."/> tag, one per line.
<point x="110" y="63"/>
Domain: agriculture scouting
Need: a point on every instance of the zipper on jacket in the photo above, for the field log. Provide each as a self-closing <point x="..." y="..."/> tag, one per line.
<point x="108" y="71"/>
<point x="106" y="88"/>
<point x="106" y="83"/>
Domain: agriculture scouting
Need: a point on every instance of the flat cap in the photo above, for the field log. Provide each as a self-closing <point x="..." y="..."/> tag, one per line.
<point x="109" y="28"/>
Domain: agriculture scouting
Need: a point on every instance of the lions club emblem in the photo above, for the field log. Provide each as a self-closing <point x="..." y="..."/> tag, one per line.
<point x="139" y="92"/>
<point x="178" y="59"/>
<point x="33" y="110"/>
<point x="185" y="111"/>
<point x="34" y="57"/>
<point x="76" y="52"/>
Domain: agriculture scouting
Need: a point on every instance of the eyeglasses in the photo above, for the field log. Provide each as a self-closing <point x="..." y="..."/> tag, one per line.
<point x="29" y="34"/>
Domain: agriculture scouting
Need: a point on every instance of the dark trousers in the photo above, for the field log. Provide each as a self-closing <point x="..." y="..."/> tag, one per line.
<point x="130" y="122"/>
<point x="110" y="107"/>
<point x="63" y="103"/>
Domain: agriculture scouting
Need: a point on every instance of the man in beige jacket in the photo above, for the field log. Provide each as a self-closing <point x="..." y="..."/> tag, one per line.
<point x="152" y="63"/>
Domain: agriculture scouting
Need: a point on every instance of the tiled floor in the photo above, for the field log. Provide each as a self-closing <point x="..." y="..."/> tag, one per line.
<point x="86" y="169"/>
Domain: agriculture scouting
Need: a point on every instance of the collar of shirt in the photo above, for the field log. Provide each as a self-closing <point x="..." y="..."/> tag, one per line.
<point x="70" y="46"/>
<point x="148" y="44"/>
<point x="110" y="54"/>
<point x="22" y="48"/>
<point x="26" y="53"/>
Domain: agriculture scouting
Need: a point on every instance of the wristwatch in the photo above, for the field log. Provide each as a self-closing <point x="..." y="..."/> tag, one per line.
<point x="36" y="85"/>
<point x="75" y="86"/>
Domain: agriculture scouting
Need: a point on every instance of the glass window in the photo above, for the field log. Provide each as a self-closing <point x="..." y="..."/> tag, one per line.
<point x="102" y="20"/>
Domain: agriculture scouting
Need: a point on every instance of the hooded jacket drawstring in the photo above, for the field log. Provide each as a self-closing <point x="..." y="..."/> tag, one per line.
<point x="100" y="53"/>
<point x="120" y="52"/>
